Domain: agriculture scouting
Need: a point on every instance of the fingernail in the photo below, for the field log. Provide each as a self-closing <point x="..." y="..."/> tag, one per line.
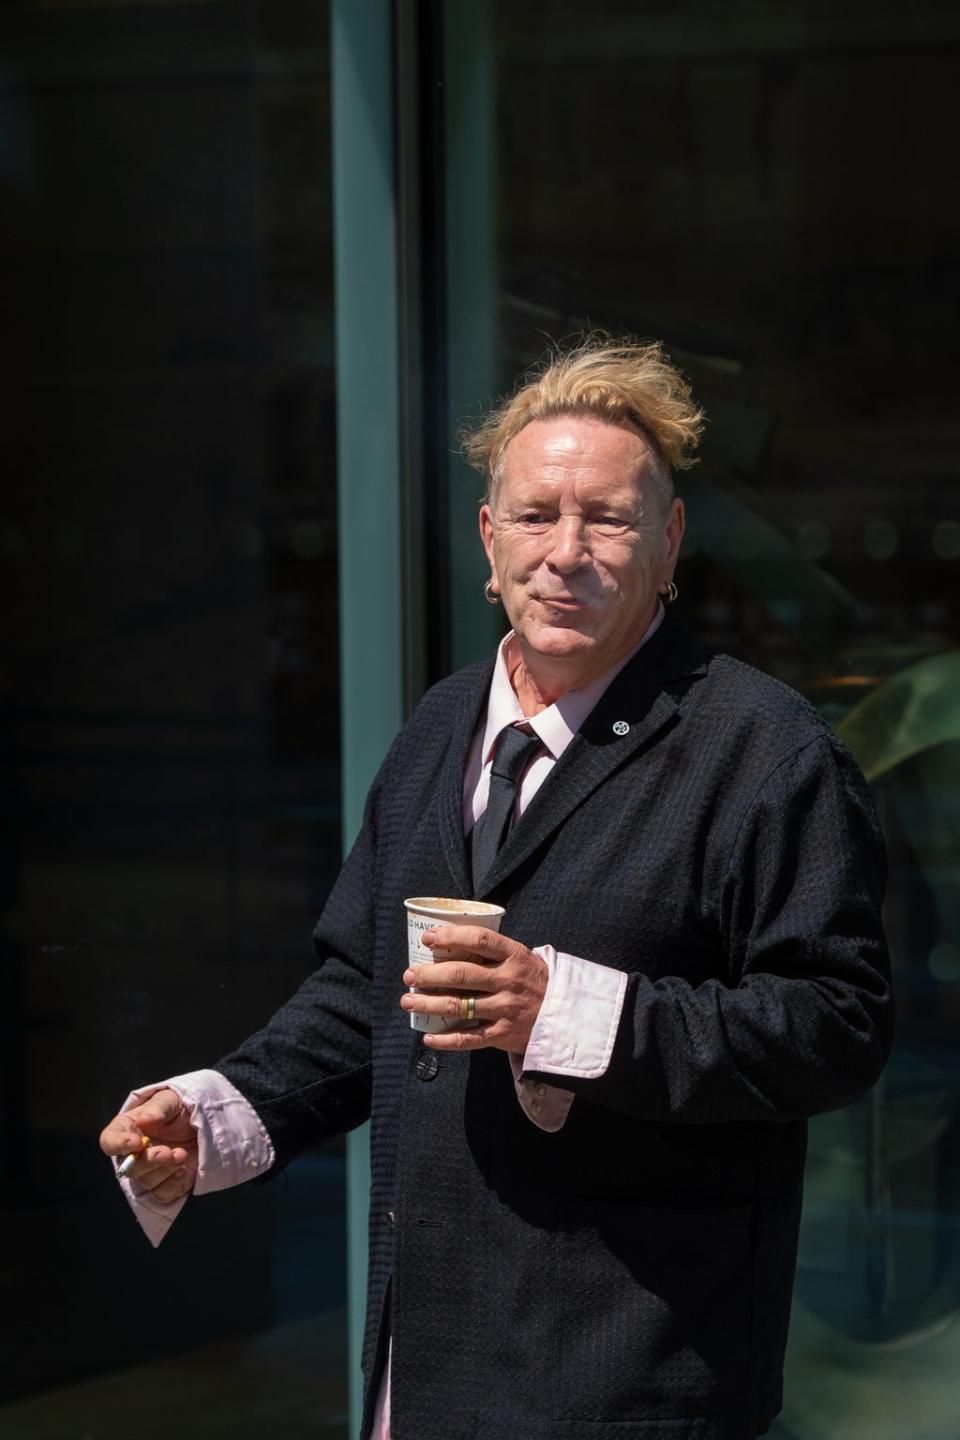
<point x="429" y="937"/>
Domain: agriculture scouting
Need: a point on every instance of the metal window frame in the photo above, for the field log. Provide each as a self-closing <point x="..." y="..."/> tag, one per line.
<point x="370" y="503"/>
<point x="411" y="87"/>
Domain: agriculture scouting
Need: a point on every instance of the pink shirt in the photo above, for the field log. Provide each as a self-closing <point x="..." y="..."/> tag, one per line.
<point x="578" y="1020"/>
<point x="573" y="1034"/>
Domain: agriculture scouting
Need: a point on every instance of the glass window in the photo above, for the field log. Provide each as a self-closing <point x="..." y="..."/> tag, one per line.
<point x="170" y="697"/>
<point x="762" y="187"/>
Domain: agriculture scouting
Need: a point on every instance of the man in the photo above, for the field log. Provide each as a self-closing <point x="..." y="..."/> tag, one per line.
<point x="584" y="1207"/>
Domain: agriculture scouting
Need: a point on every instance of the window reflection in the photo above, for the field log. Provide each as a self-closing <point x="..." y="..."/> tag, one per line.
<point x="742" y="183"/>
<point x="170" y="704"/>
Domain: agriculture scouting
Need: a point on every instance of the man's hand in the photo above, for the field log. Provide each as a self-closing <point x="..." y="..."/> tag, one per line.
<point x="167" y="1168"/>
<point x="508" y="981"/>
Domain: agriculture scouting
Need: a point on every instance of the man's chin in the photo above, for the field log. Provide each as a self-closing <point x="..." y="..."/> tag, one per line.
<point x="558" y="640"/>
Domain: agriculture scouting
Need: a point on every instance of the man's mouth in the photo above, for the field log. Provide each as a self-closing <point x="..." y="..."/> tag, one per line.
<point x="562" y="602"/>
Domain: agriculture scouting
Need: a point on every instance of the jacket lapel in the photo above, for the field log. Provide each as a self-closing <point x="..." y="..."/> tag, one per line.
<point x="464" y="721"/>
<point x="637" y="707"/>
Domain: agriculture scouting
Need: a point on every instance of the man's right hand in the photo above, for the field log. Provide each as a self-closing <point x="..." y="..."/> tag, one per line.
<point x="167" y="1168"/>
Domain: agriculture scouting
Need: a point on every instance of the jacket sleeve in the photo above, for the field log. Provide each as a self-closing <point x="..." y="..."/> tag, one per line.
<point x="307" y="1073"/>
<point x="804" y="1022"/>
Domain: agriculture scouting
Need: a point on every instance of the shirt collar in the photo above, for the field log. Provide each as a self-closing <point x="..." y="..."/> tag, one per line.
<point x="557" y="725"/>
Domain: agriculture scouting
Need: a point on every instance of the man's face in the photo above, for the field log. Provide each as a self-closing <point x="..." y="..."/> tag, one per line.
<point x="579" y="542"/>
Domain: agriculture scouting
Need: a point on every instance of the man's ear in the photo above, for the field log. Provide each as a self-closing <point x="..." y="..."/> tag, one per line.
<point x="676" y="524"/>
<point x="486" y="536"/>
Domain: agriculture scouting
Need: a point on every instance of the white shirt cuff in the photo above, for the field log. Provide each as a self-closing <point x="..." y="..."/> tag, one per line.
<point x="232" y="1144"/>
<point x="546" y="1105"/>
<point x="572" y="1035"/>
<point x="579" y="1018"/>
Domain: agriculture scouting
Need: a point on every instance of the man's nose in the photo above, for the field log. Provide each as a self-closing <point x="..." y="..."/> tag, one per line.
<point x="569" y="548"/>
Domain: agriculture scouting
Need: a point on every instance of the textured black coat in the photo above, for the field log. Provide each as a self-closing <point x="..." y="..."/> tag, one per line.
<point x="634" y="1268"/>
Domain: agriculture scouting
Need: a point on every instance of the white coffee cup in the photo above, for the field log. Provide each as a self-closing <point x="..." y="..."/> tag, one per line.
<point x="423" y="913"/>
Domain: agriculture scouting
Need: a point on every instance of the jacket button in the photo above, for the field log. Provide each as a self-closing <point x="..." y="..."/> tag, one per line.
<point x="392" y="1219"/>
<point x="427" y="1066"/>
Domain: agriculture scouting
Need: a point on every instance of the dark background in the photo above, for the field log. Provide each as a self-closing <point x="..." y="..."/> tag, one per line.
<point x="169" y="689"/>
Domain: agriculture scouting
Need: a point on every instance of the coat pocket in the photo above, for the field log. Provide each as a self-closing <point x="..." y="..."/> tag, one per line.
<point x="654" y="1310"/>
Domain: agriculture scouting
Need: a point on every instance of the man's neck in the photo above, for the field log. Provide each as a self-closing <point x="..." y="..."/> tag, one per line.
<point x="538" y="683"/>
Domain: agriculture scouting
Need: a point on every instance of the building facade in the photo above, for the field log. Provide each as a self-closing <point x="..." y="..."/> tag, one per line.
<point x="261" y="261"/>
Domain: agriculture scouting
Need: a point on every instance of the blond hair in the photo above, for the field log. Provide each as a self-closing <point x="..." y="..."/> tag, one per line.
<point x="617" y="379"/>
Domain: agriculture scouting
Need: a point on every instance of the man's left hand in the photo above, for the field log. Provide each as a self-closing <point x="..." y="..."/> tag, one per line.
<point x="507" y="980"/>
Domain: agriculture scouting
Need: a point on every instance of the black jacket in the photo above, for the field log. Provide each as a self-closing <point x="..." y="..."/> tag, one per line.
<point x="634" y="1268"/>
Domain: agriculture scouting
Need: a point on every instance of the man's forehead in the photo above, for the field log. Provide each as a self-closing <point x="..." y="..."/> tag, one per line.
<point x="598" y="457"/>
<point x="567" y="441"/>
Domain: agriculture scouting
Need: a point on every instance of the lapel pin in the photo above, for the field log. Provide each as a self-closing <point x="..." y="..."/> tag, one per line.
<point x="620" y="727"/>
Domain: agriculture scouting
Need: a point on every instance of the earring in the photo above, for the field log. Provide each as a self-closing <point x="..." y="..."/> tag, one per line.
<point x="491" y="596"/>
<point x="670" y="594"/>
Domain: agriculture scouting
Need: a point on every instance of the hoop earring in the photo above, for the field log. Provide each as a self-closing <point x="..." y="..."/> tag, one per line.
<point x="491" y="596"/>
<point x="670" y="594"/>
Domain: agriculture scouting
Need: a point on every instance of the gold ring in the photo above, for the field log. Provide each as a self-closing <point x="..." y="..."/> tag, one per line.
<point x="471" y="1007"/>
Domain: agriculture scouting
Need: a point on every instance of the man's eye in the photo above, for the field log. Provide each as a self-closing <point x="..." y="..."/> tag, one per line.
<point x="532" y="517"/>
<point x="610" y="522"/>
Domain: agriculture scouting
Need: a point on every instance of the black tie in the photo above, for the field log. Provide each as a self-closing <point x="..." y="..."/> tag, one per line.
<point x="513" y="753"/>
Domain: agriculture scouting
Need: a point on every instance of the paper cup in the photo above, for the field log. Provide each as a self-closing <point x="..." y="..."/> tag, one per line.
<point x="423" y="913"/>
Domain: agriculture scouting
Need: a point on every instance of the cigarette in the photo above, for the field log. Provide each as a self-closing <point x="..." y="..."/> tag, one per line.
<point x="127" y="1165"/>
